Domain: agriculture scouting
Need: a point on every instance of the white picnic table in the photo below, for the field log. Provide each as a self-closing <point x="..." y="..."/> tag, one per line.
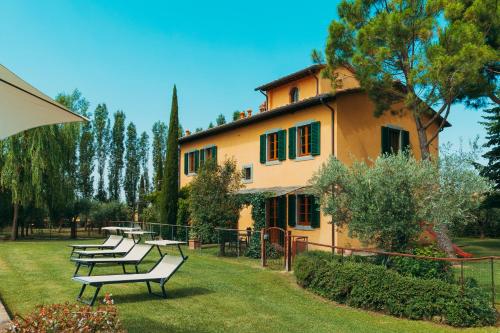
<point x="140" y="233"/>
<point x="166" y="242"/>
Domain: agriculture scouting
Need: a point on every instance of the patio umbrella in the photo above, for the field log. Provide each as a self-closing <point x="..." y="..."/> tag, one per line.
<point x="22" y="106"/>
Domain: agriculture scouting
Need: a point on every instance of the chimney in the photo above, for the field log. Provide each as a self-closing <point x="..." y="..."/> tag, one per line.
<point x="242" y="114"/>
<point x="262" y="107"/>
<point x="188" y="132"/>
<point x="249" y="112"/>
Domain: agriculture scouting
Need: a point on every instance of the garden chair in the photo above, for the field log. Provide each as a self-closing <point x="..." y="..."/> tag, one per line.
<point x="122" y="249"/>
<point x="133" y="257"/>
<point x="110" y="243"/>
<point x="164" y="269"/>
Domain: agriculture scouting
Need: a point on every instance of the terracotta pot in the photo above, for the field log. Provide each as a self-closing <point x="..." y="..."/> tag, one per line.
<point x="194" y="244"/>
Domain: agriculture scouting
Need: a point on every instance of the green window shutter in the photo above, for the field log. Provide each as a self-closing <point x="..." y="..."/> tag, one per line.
<point x="292" y="210"/>
<point x="405" y="141"/>
<point x="292" y="142"/>
<point x="386" y="147"/>
<point x="214" y="153"/>
<point x="202" y="156"/>
<point x="281" y="212"/>
<point x="196" y="160"/>
<point x="263" y="139"/>
<point x="315" y="138"/>
<point x="315" y="212"/>
<point x="282" y="145"/>
<point x="186" y="170"/>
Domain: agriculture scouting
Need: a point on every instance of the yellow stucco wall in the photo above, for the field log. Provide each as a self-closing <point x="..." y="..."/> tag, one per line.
<point x="355" y="132"/>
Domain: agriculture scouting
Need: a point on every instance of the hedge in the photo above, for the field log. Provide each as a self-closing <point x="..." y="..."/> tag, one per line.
<point x="373" y="287"/>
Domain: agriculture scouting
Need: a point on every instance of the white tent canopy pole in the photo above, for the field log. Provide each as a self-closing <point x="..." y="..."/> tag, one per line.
<point x="23" y="107"/>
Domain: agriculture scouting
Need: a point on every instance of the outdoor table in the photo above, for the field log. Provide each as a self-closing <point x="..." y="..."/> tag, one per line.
<point x="120" y="229"/>
<point x="166" y="242"/>
<point x="140" y="233"/>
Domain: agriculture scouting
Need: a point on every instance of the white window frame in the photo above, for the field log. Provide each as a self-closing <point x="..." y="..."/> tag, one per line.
<point x="272" y="131"/>
<point x="247" y="166"/>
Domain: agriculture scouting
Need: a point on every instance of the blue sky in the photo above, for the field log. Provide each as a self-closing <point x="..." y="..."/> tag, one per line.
<point x="129" y="54"/>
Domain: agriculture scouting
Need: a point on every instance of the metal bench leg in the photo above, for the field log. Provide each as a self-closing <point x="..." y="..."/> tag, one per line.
<point x="77" y="269"/>
<point x="124" y="270"/>
<point x="91" y="268"/>
<point x="136" y="269"/>
<point x="149" y="287"/>
<point x="95" y="296"/>
<point x="81" y="292"/>
<point x="164" y="293"/>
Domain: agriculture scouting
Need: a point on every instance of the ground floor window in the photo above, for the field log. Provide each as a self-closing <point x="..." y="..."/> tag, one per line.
<point x="304" y="203"/>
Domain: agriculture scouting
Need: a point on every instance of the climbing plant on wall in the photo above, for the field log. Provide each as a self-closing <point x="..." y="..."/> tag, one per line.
<point x="258" y="203"/>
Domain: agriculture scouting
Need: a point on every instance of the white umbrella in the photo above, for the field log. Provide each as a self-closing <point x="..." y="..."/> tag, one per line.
<point x="22" y="106"/>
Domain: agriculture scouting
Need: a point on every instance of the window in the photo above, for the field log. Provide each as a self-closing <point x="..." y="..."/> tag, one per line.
<point x="191" y="162"/>
<point x="394" y="140"/>
<point x="304" y="210"/>
<point x="294" y="95"/>
<point x="273" y="212"/>
<point x="247" y="173"/>
<point x="304" y="142"/>
<point x="208" y="153"/>
<point x="272" y="147"/>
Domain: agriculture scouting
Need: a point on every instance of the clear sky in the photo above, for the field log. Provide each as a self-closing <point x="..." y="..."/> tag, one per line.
<point x="129" y="54"/>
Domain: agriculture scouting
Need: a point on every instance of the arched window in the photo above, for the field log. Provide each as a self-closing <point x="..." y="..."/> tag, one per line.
<point x="294" y="95"/>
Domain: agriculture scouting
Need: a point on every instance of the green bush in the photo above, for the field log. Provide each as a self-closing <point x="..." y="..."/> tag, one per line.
<point x="374" y="287"/>
<point x="422" y="268"/>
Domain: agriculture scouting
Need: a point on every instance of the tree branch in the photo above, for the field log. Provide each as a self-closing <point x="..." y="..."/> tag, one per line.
<point x="440" y="126"/>
<point x="436" y="115"/>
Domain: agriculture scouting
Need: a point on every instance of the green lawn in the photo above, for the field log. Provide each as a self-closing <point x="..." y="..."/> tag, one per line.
<point x="479" y="247"/>
<point x="209" y="294"/>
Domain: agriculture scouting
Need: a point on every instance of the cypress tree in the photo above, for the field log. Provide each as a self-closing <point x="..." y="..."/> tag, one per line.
<point x="170" y="185"/>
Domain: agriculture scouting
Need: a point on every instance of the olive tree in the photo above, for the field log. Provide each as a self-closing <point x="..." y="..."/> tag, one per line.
<point x="387" y="202"/>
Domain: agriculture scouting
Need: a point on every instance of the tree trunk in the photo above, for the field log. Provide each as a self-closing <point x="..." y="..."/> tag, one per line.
<point x="13" y="233"/>
<point x="444" y="240"/>
<point x="422" y="138"/>
<point x="73" y="228"/>
<point x="442" y="232"/>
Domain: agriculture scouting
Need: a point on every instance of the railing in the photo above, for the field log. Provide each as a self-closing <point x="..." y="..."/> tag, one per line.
<point x="484" y="270"/>
<point x="233" y="242"/>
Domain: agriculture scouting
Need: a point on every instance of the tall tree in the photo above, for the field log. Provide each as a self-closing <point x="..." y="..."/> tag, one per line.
<point x="159" y="152"/>
<point x="117" y="149"/>
<point x="101" y="130"/>
<point x="236" y="115"/>
<point x="170" y="186"/>
<point x="220" y="120"/>
<point x="144" y="159"/>
<point x="492" y="124"/>
<point x="86" y="156"/>
<point x="403" y="51"/>
<point x="132" y="168"/>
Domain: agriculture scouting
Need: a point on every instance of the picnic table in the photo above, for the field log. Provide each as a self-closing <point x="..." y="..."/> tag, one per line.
<point x="140" y="233"/>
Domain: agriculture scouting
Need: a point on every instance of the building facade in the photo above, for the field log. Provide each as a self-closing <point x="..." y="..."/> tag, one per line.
<point x="301" y="124"/>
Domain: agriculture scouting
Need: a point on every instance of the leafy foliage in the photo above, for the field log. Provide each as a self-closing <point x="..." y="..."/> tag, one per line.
<point x="67" y="318"/>
<point x="213" y="201"/>
<point x="159" y="152"/>
<point x="258" y="203"/>
<point x="386" y="203"/>
<point x="221" y="120"/>
<point x="132" y="167"/>
<point x="104" y="212"/>
<point x="101" y="132"/>
<point x="376" y="288"/>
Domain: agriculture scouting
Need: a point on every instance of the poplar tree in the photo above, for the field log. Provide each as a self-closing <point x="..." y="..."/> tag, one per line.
<point x="220" y="120"/>
<point x="117" y="150"/>
<point x="170" y="186"/>
<point x="86" y="158"/>
<point x="492" y="124"/>
<point x="144" y="159"/>
<point x="101" y="131"/>
<point x="132" y="169"/>
<point x="159" y="151"/>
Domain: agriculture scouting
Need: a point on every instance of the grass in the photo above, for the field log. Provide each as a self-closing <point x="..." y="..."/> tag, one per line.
<point x="479" y="247"/>
<point x="208" y="294"/>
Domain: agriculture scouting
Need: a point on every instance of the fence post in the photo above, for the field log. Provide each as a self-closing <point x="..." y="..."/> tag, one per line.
<point x="262" y="248"/>
<point x="462" y="274"/>
<point x="238" y="243"/>
<point x="342" y="255"/>
<point x="492" y="282"/>
<point x="288" y="250"/>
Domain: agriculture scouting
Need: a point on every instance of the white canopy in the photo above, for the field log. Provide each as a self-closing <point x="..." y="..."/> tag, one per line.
<point x="22" y="106"/>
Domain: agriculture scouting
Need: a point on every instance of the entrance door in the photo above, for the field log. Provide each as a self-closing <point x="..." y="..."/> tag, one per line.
<point x="276" y="215"/>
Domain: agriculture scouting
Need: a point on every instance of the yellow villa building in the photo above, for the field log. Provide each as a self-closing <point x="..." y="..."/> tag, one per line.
<point x="300" y="125"/>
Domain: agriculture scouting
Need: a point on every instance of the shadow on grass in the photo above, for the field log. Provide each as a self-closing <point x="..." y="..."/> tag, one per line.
<point x="171" y="294"/>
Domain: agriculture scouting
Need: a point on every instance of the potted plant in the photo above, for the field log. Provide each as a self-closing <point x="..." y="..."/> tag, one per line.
<point x="194" y="240"/>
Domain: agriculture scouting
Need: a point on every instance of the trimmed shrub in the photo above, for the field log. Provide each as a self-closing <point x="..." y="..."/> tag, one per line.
<point x="68" y="318"/>
<point x="373" y="287"/>
<point x="422" y="268"/>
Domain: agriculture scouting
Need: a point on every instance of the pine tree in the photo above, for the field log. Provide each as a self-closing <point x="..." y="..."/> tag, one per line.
<point x="492" y="124"/>
<point x="132" y="168"/>
<point x="170" y="187"/>
<point x="116" y="156"/>
<point x="86" y="160"/>
<point x="101" y="130"/>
